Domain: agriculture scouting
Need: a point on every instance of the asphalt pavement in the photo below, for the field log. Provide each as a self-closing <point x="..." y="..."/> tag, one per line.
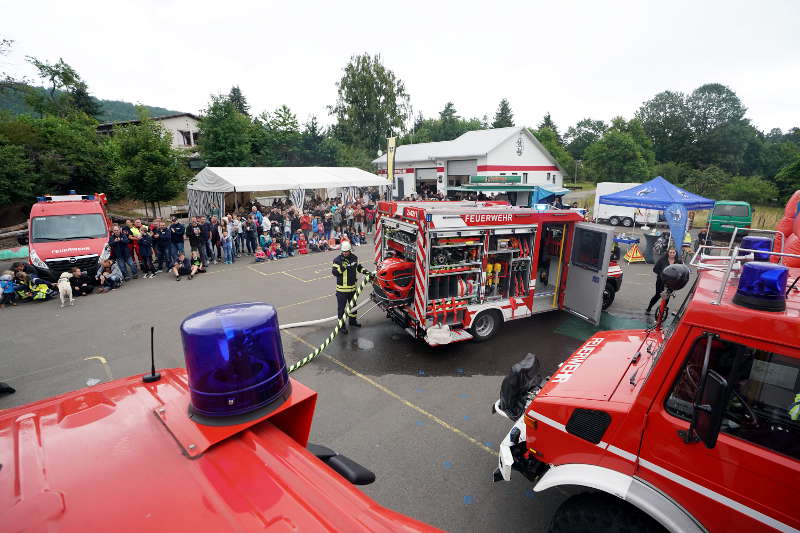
<point x="417" y="416"/>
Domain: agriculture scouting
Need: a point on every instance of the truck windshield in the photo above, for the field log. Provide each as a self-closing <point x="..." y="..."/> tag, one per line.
<point x="68" y="228"/>
<point x="731" y="211"/>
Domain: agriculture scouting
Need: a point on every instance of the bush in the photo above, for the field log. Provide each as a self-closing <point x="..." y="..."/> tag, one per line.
<point x="750" y="189"/>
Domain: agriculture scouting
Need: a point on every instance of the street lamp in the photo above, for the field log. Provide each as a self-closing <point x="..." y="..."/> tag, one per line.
<point x="577" y="162"/>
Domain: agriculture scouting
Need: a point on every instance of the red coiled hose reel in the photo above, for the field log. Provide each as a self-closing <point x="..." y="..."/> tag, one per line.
<point x="395" y="277"/>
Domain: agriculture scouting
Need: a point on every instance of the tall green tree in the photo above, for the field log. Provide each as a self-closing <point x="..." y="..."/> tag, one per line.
<point x="16" y="176"/>
<point x="503" y="118"/>
<point x="549" y="140"/>
<point x="708" y="182"/>
<point x="146" y="167"/>
<point x="66" y="92"/>
<point x="580" y="136"/>
<point x="547" y="122"/>
<point x="239" y="101"/>
<point x="447" y="127"/>
<point x="616" y="157"/>
<point x="64" y="153"/>
<point x="371" y="105"/>
<point x="712" y="105"/>
<point x="225" y="134"/>
<point x="788" y="179"/>
<point x="666" y="119"/>
<point x="277" y="140"/>
<point x="313" y="150"/>
<point x="734" y="146"/>
<point x="85" y="102"/>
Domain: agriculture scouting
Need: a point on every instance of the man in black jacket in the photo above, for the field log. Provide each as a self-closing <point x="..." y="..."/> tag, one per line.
<point x="345" y="268"/>
<point x="177" y="231"/>
<point x="205" y="241"/>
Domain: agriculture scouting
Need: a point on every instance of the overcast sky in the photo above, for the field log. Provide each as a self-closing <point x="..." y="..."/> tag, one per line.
<point x="572" y="58"/>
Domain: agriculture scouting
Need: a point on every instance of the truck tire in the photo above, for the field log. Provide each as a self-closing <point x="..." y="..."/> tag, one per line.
<point x="601" y="513"/>
<point x="486" y="325"/>
<point x="614" y="221"/>
<point x="608" y="295"/>
<point x="627" y="222"/>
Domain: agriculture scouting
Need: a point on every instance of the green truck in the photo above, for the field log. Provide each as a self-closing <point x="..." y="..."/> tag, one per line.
<point x="728" y="215"/>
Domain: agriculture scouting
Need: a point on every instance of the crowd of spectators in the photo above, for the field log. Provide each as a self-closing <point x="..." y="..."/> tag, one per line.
<point x="263" y="232"/>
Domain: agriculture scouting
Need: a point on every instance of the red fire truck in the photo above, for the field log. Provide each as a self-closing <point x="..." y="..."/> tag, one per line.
<point x="453" y="271"/>
<point x="220" y="446"/>
<point x="66" y="231"/>
<point x="690" y="426"/>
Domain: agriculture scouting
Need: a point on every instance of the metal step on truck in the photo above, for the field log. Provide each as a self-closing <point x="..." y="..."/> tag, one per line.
<point x="691" y="425"/>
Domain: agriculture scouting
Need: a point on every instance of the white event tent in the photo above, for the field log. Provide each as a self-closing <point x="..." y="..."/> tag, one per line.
<point x="211" y="184"/>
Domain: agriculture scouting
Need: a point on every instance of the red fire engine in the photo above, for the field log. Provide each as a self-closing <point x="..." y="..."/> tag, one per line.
<point x="694" y="426"/>
<point x="453" y="271"/>
<point x="220" y="446"/>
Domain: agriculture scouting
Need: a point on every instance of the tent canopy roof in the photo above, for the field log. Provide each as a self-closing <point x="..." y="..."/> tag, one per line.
<point x="657" y="193"/>
<point x="252" y="179"/>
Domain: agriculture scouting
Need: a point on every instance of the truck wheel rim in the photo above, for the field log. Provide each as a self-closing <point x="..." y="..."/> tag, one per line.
<point x="484" y="325"/>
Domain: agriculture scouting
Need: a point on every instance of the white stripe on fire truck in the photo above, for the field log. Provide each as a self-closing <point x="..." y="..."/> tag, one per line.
<point x="680" y="480"/>
<point x="419" y="289"/>
<point x="377" y="240"/>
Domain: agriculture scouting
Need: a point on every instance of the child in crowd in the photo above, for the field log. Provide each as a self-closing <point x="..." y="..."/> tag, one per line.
<point x="9" y="295"/>
<point x="146" y="253"/>
<point x="264" y="239"/>
<point x="227" y="247"/>
<point x="287" y="225"/>
<point x="197" y="263"/>
<point x="289" y="248"/>
<point x="313" y="244"/>
<point x="260" y="255"/>
<point x="274" y="250"/>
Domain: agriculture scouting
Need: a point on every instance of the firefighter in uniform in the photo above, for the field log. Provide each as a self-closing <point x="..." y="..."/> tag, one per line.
<point x="344" y="269"/>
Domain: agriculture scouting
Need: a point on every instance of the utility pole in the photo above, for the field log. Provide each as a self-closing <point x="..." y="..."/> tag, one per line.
<point x="577" y="162"/>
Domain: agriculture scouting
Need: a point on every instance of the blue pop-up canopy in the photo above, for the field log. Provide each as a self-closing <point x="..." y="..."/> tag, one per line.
<point x="661" y="195"/>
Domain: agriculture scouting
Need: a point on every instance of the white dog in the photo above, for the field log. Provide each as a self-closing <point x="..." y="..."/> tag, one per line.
<point x="64" y="288"/>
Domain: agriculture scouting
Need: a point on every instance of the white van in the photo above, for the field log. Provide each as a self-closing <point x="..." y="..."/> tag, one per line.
<point x="618" y="215"/>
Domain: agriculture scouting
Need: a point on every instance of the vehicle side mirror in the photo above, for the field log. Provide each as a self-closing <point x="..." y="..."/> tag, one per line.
<point x="707" y="418"/>
<point x="22" y="240"/>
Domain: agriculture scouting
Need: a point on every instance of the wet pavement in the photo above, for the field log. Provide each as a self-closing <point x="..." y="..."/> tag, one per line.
<point x="418" y="416"/>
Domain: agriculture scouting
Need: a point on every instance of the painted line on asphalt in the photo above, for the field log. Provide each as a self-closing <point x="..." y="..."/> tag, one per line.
<point x="104" y="362"/>
<point x="397" y="397"/>
<point x="293" y="276"/>
<point x="305" y="301"/>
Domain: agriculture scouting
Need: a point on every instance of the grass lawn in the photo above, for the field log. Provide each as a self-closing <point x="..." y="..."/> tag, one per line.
<point x="584" y="185"/>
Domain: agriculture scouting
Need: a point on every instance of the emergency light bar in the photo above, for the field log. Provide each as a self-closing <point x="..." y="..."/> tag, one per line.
<point x="64" y="198"/>
<point x="235" y="362"/>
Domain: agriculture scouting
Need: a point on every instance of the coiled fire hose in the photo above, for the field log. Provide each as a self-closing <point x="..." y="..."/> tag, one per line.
<point x="351" y="304"/>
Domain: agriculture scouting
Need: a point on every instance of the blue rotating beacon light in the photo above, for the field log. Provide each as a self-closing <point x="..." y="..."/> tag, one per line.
<point x="762" y="286"/>
<point x="234" y="359"/>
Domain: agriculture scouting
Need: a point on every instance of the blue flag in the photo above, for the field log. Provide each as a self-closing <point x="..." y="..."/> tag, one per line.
<point x="676" y="215"/>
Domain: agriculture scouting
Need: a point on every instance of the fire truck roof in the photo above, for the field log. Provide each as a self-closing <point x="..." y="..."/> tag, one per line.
<point x="774" y="327"/>
<point x="99" y="459"/>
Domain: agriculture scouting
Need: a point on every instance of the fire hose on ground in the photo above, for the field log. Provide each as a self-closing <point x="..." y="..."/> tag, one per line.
<point x="351" y="306"/>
